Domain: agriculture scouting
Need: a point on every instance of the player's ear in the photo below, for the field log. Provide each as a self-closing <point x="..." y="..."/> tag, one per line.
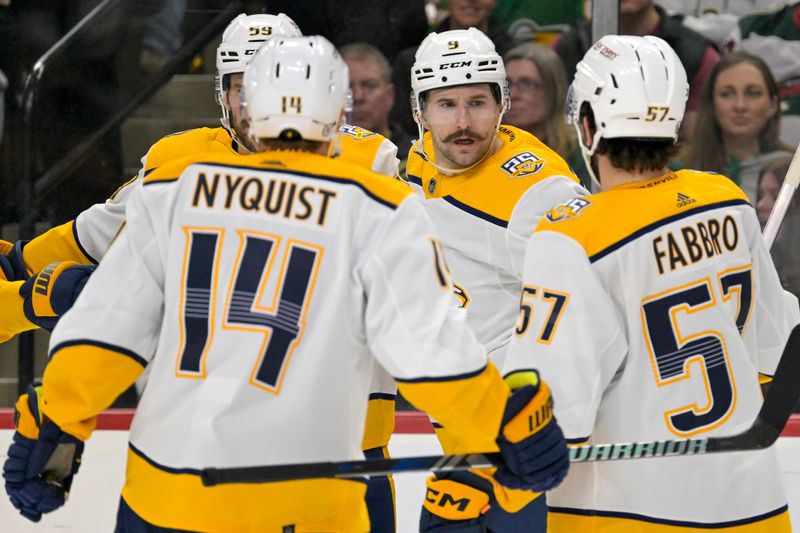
<point x="587" y="135"/>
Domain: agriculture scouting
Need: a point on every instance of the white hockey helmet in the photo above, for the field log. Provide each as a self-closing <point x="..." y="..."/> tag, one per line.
<point x="296" y="86"/>
<point x="635" y="86"/>
<point x="240" y="40"/>
<point x="244" y="35"/>
<point x="456" y="57"/>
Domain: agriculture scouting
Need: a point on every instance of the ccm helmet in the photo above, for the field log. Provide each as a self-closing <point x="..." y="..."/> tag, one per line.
<point x="450" y="59"/>
<point x="456" y="57"/>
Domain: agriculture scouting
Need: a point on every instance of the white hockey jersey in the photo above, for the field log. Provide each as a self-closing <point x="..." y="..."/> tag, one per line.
<point x="260" y="290"/>
<point x="651" y="309"/>
<point x="97" y="226"/>
<point x="485" y="217"/>
<point x="87" y="238"/>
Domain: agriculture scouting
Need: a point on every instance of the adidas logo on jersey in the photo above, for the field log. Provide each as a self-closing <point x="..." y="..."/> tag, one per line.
<point x="523" y="164"/>
<point x="569" y="209"/>
<point x="356" y="132"/>
<point x="684" y="200"/>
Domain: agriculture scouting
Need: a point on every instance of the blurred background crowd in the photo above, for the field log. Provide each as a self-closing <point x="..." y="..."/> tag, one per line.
<point x="127" y="73"/>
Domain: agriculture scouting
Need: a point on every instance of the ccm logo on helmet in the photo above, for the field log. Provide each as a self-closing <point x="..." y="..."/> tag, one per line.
<point x="457" y="64"/>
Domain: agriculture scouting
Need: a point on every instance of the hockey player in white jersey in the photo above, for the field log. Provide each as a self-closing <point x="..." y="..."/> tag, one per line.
<point x="485" y="187"/>
<point x="262" y="291"/>
<point x="86" y="239"/>
<point x="653" y="307"/>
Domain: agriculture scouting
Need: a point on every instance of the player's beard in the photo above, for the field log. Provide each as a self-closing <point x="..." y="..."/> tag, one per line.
<point x="241" y="129"/>
<point x="446" y="148"/>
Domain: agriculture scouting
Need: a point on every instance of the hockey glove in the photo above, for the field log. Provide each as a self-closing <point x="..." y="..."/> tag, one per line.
<point x="6" y="270"/>
<point x="51" y="293"/>
<point x="531" y="442"/>
<point x="41" y="460"/>
<point x="12" y="264"/>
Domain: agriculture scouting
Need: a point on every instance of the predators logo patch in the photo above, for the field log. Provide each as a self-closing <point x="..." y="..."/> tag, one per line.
<point x="356" y="132"/>
<point x="523" y="164"/>
<point x="567" y="210"/>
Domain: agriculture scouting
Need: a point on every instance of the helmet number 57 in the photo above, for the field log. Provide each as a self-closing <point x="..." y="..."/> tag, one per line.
<point x="656" y="113"/>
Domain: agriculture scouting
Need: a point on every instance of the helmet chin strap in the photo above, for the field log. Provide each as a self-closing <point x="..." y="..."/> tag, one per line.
<point x="587" y="153"/>
<point x="419" y="147"/>
<point x="225" y="120"/>
<point x="335" y="146"/>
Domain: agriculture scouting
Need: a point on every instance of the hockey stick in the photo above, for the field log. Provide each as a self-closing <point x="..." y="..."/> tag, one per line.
<point x="775" y="411"/>
<point x="781" y="205"/>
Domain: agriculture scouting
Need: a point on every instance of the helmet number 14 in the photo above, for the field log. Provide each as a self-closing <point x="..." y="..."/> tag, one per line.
<point x="292" y="102"/>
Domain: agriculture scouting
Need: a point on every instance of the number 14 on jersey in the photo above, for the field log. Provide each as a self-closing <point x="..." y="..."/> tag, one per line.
<point x="281" y="324"/>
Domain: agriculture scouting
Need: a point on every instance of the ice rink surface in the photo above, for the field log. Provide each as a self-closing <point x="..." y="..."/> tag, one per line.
<point x="93" y="502"/>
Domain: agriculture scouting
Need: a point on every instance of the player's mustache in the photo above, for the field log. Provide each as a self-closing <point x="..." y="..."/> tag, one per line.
<point x="460" y="134"/>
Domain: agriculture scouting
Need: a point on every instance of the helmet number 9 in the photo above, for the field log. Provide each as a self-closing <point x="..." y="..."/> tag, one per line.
<point x="656" y="113"/>
<point x="263" y="30"/>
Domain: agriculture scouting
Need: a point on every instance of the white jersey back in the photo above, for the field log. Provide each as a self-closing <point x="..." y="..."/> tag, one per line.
<point x="485" y="216"/>
<point x="650" y="310"/>
<point x="260" y="339"/>
<point x="96" y="227"/>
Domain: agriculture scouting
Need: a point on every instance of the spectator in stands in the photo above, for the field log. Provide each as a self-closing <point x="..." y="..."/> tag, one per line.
<point x="775" y="37"/>
<point x="738" y="125"/>
<point x="373" y="93"/>
<point x="644" y="17"/>
<point x="391" y="26"/>
<point x="161" y="36"/>
<point x="786" y="249"/>
<point x="542" y="13"/>
<point x="465" y="14"/>
<point x="715" y="19"/>
<point x="462" y="14"/>
<point x="77" y="95"/>
<point x="538" y="95"/>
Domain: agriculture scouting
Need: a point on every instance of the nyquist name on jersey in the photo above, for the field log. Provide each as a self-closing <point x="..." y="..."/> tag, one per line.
<point x="281" y="197"/>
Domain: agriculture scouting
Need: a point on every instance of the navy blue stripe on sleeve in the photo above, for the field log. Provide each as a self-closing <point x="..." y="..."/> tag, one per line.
<point x="106" y="346"/>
